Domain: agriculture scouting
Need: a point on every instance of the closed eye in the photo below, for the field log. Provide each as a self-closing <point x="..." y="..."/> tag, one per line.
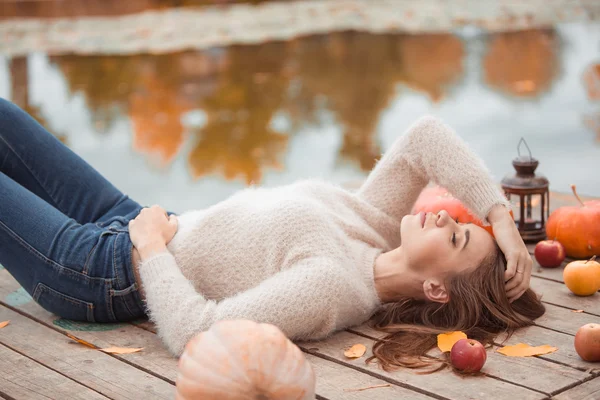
<point x="454" y="239"/>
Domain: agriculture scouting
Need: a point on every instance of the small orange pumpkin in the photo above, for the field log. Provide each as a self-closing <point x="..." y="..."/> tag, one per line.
<point x="243" y="360"/>
<point x="435" y="199"/>
<point x="582" y="277"/>
<point x="577" y="227"/>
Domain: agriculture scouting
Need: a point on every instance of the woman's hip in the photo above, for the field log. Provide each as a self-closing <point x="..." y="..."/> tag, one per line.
<point x="95" y="283"/>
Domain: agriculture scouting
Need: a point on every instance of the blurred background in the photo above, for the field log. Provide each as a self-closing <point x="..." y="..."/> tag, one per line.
<point x="182" y="103"/>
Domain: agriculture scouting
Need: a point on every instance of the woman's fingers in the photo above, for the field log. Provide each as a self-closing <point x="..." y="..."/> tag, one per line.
<point x="511" y="267"/>
<point x="520" y="282"/>
<point x="173" y="224"/>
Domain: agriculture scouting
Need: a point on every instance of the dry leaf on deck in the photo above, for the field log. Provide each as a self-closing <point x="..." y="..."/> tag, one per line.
<point x="83" y="342"/>
<point x="525" y="350"/>
<point x="447" y="340"/>
<point x="577" y="311"/>
<point x="3" y="324"/>
<point x="355" y="351"/>
<point x="121" y="350"/>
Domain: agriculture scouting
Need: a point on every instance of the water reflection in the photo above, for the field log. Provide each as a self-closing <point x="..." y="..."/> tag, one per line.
<point x="238" y="140"/>
<point x="357" y="75"/>
<point x="352" y="76"/>
<point x="19" y="71"/>
<point x="106" y="82"/>
<point x="591" y="79"/>
<point x="351" y="82"/>
<point x="522" y="64"/>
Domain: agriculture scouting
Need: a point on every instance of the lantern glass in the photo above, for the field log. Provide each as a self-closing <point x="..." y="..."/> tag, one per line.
<point x="529" y="196"/>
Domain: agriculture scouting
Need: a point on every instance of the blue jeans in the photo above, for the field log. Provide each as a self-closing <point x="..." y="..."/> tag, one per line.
<point x="63" y="227"/>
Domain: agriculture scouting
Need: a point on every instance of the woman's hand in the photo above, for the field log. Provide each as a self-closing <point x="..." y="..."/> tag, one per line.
<point x="518" y="260"/>
<point x="152" y="230"/>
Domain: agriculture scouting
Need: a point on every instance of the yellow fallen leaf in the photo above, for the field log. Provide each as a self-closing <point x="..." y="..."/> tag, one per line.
<point x="83" y="342"/>
<point x="525" y="350"/>
<point x="355" y="351"/>
<point x="121" y="350"/>
<point x="3" y="324"/>
<point x="578" y="311"/>
<point x="447" y="340"/>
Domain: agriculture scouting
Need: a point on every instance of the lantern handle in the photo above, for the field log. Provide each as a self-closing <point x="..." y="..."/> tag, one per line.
<point x="519" y="148"/>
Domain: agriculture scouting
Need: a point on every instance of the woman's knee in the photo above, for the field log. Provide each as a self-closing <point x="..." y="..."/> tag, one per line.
<point x="11" y="116"/>
<point x="7" y="109"/>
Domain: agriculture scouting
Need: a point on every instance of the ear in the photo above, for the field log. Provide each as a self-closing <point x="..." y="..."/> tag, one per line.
<point x="435" y="291"/>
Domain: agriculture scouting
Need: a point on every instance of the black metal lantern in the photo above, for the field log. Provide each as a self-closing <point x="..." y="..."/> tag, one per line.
<point x="529" y="195"/>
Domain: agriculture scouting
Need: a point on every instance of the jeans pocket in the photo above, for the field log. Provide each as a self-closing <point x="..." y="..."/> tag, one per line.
<point x="62" y="305"/>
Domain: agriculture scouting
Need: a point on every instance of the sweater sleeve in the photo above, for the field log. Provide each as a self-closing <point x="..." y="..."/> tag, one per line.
<point x="430" y="151"/>
<point x="301" y="301"/>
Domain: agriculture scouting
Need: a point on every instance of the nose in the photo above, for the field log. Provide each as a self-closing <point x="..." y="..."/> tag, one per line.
<point x="443" y="218"/>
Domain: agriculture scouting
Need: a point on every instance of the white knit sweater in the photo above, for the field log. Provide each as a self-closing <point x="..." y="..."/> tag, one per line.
<point x="301" y="256"/>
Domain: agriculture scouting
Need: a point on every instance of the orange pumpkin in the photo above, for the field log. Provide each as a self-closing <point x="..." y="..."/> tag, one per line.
<point x="435" y="199"/>
<point x="577" y="227"/>
<point x="582" y="277"/>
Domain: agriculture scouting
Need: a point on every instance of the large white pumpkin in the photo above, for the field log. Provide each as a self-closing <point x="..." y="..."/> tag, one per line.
<point x="244" y="360"/>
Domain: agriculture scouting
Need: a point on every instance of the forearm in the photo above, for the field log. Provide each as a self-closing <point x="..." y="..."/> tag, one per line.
<point x="173" y="304"/>
<point x="447" y="160"/>
<point x="300" y="301"/>
<point x="430" y="150"/>
<point x="499" y="213"/>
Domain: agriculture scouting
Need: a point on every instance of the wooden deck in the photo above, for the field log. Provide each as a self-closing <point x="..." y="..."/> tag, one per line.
<point x="39" y="361"/>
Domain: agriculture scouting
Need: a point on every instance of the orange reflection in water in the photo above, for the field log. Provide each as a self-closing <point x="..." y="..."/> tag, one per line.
<point x="106" y="82"/>
<point x="238" y="140"/>
<point x="352" y="76"/>
<point x="522" y="64"/>
<point x="155" y="111"/>
<point x="357" y="75"/>
<point x="430" y="63"/>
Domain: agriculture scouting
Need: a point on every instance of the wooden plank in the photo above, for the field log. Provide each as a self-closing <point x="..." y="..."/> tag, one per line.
<point x="534" y="373"/>
<point x="333" y="379"/>
<point x="555" y="274"/>
<point x="557" y="293"/>
<point x="22" y="378"/>
<point x="93" y="368"/>
<point x="566" y="354"/>
<point x="445" y="383"/>
<point x="589" y="390"/>
<point x="337" y="382"/>
<point x="565" y="320"/>
<point x="154" y="358"/>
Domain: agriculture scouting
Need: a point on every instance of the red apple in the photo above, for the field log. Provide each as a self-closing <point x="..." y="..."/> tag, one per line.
<point x="550" y="253"/>
<point x="587" y="342"/>
<point x="468" y="355"/>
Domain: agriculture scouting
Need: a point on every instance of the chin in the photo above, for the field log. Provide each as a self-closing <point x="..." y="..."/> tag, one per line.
<point x="407" y="225"/>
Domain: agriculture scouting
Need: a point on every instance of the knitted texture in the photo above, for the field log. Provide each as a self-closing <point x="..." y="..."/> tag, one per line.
<point x="301" y="256"/>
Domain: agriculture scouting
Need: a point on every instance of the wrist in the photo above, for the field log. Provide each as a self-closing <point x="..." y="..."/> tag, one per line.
<point x="148" y="250"/>
<point x="498" y="213"/>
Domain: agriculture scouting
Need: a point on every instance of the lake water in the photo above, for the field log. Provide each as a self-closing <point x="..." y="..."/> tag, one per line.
<point x="188" y="129"/>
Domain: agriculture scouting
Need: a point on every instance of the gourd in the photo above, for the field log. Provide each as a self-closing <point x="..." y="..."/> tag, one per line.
<point x="243" y="360"/>
<point x="577" y="227"/>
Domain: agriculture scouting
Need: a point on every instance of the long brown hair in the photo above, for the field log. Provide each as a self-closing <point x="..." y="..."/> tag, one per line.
<point x="477" y="305"/>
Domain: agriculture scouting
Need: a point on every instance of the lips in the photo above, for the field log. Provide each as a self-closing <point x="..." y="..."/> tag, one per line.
<point x="423" y="216"/>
